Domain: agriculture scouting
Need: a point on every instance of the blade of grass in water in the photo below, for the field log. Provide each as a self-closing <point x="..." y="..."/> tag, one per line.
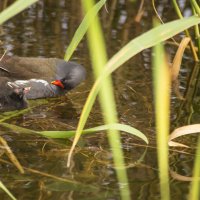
<point x="14" y="9"/>
<point x="120" y="127"/>
<point x="195" y="185"/>
<point x="146" y="40"/>
<point x="71" y="133"/>
<point x="98" y="56"/>
<point x="82" y="29"/>
<point x="3" y="187"/>
<point x="161" y="79"/>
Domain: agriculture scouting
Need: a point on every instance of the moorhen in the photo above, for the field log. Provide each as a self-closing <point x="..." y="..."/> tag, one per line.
<point x="12" y="97"/>
<point x="47" y="77"/>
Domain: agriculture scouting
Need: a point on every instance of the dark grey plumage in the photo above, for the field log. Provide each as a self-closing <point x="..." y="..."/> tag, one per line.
<point x="38" y="73"/>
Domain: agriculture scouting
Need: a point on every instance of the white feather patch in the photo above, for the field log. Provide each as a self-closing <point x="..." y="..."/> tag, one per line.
<point x="25" y="82"/>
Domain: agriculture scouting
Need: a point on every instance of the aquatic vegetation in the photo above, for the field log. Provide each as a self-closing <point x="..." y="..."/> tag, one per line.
<point x="103" y="87"/>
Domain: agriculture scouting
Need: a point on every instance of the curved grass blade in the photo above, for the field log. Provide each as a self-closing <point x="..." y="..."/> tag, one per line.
<point x="176" y="64"/>
<point x="3" y="187"/>
<point x="82" y="29"/>
<point x="179" y="177"/>
<point x="120" y="127"/>
<point x="146" y="40"/>
<point x="14" y="9"/>
<point x="181" y="131"/>
<point x="71" y="133"/>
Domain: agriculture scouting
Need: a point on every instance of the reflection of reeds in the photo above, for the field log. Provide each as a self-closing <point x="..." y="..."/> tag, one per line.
<point x="3" y="4"/>
<point x="98" y="55"/>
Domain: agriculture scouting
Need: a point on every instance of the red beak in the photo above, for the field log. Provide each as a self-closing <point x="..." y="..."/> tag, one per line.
<point x="58" y="83"/>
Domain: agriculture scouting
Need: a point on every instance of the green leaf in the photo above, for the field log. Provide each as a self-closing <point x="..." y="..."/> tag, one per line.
<point x="196" y="6"/>
<point x="120" y="127"/>
<point x="144" y="41"/>
<point x="194" y="192"/>
<point x="149" y="39"/>
<point x="71" y="133"/>
<point x="3" y="187"/>
<point x="14" y="9"/>
<point x="162" y="82"/>
<point x="82" y="29"/>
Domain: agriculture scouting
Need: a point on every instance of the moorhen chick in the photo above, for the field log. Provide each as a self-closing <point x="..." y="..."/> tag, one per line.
<point x="12" y="97"/>
<point x="47" y="77"/>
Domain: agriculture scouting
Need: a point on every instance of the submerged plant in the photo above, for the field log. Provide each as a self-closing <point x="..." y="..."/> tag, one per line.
<point x="103" y="68"/>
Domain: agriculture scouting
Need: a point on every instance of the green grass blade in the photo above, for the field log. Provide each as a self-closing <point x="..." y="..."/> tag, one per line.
<point x="11" y="114"/>
<point x="116" y="126"/>
<point x="3" y="187"/>
<point x="98" y="56"/>
<point x="195" y="185"/>
<point x="82" y="29"/>
<point x="18" y="128"/>
<point x="71" y="133"/>
<point x="162" y="82"/>
<point x="177" y="9"/>
<point x="14" y="9"/>
<point x="146" y="40"/>
<point x="196" y="6"/>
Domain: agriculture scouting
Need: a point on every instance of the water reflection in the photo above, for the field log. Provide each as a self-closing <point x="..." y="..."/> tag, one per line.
<point x="45" y="30"/>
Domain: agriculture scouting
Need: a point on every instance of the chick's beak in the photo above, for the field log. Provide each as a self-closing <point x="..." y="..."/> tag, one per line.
<point x="26" y="90"/>
<point x="58" y="83"/>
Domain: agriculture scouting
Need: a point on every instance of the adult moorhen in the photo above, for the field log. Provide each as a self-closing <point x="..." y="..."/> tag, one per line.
<point x="12" y="97"/>
<point x="47" y="77"/>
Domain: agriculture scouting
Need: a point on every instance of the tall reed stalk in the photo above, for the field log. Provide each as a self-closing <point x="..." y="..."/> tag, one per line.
<point x="161" y="79"/>
<point x="194" y="192"/>
<point x="107" y="101"/>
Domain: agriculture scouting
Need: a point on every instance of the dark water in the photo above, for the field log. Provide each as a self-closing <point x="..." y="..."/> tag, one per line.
<point x="45" y="30"/>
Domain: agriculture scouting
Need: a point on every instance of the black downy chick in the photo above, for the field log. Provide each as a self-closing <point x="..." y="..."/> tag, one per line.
<point x="12" y="97"/>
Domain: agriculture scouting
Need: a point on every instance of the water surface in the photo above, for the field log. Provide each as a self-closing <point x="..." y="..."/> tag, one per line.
<point x="45" y="30"/>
